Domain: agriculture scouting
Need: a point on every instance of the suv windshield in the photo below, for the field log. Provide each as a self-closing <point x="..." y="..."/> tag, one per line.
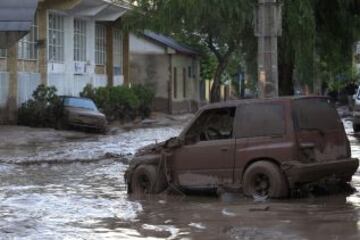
<point x="315" y="113"/>
<point x="80" y="103"/>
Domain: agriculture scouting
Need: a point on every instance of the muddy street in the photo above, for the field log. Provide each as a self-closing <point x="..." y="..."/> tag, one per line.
<point x="86" y="199"/>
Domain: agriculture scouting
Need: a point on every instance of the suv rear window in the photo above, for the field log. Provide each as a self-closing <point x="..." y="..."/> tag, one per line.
<point x="315" y="114"/>
<point x="260" y="119"/>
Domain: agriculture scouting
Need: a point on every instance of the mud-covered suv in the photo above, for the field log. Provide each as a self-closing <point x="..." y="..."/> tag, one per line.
<point x="261" y="147"/>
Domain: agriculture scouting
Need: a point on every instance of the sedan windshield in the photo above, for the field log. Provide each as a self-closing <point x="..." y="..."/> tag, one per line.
<point x="80" y="103"/>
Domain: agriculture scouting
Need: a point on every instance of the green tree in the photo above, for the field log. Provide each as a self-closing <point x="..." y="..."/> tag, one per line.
<point x="217" y="26"/>
<point x="317" y="41"/>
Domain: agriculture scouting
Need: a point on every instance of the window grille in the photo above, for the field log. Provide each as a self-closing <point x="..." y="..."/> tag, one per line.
<point x="117" y="47"/>
<point x="100" y="44"/>
<point x="79" y="40"/>
<point x="56" y="38"/>
<point x="3" y="53"/>
<point x="26" y="48"/>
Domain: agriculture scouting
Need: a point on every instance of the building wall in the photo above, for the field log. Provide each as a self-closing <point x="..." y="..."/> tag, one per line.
<point x="139" y="45"/>
<point x="70" y="81"/>
<point x="4" y="83"/>
<point x="152" y="70"/>
<point x="185" y="83"/>
<point x="155" y="65"/>
<point x="158" y="71"/>
<point x="18" y="83"/>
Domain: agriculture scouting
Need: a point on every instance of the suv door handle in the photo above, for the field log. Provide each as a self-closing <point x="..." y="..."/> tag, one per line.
<point x="224" y="149"/>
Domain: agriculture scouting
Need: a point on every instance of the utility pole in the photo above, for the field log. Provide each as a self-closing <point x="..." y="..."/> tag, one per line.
<point x="268" y="28"/>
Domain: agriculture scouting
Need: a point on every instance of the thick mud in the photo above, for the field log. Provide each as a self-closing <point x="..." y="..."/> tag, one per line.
<point x="88" y="200"/>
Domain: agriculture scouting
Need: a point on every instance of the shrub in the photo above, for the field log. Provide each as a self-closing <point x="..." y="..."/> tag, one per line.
<point x="42" y="110"/>
<point x="146" y="96"/>
<point x="121" y="102"/>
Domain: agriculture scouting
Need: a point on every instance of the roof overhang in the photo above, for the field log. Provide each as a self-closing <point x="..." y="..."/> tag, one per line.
<point x="16" y="17"/>
<point x="99" y="10"/>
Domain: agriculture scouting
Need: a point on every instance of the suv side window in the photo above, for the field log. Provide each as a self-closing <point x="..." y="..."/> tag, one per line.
<point x="213" y="124"/>
<point x="260" y="119"/>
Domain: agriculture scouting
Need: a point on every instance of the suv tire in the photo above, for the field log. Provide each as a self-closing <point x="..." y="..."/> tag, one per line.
<point x="147" y="180"/>
<point x="264" y="179"/>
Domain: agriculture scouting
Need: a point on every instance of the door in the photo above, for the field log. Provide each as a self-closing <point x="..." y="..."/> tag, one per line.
<point x="207" y="158"/>
<point x="319" y="131"/>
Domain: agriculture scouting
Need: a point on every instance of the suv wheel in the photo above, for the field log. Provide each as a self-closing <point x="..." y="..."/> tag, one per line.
<point x="146" y="180"/>
<point x="264" y="180"/>
<point x="356" y="127"/>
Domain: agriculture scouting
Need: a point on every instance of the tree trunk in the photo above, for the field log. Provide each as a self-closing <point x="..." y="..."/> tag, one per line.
<point x="286" y="85"/>
<point x="215" y="89"/>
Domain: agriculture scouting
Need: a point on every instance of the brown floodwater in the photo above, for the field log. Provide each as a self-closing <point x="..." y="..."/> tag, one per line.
<point x="88" y="200"/>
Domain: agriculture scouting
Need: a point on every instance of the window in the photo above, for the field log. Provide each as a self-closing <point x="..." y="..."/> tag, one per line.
<point x="80" y="103"/>
<point x="100" y="44"/>
<point x="175" y="82"/>
<point x="315" y="114"/>
<point x="189" y="72"/>
<point x="26" y="48"/>
<point x="117" y="47"/>
<point x="56" y="38"/>
<point x="184" y="82"/>
<point x="258" y="120"/>
<point x="79" y="40"/>
<point x="3" y="53"/>
<point x="214" y="124"/>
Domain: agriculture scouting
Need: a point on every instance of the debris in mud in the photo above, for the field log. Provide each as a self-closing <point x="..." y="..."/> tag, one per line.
<point x="162" y="231"/>
<point x="226" y="212"/>
<point x="197" y="225"/>
<point x="259" y="209"/>
<point x="241" y="233"/>
<point x="322" y="188"/>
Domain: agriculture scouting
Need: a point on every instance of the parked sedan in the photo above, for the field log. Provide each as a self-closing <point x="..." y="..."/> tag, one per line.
<point x="82" y="113"/>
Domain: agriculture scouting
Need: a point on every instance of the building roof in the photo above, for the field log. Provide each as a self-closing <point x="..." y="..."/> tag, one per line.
<point x="169" y="42"/>
<point x="99" y="10"/>
<point x="16" y="18"/>
<point x="17" y="15"/>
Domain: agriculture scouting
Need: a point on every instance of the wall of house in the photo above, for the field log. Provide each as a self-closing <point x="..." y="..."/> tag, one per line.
<point x="149" y="65"/>
<point x="154" y="64"/>
<point x="139" y="45"/>
<point x="4" y="83"/>
<point x="18" y="82"/>
<point x="152" y="70"/>
<point x="185" y="83"/>
<point x="71" y="76"/>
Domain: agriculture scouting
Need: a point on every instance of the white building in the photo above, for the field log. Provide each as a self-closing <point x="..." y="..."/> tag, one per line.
<point x="72" y="43"/>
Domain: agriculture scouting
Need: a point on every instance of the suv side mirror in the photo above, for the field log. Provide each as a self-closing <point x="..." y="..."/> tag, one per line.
<point x="174" y="142"/>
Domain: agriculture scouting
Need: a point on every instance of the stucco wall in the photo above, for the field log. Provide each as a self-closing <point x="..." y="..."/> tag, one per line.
<point x="152" y="70"/>
<point x="139" y="45"/>
<point x="183" y="64"/>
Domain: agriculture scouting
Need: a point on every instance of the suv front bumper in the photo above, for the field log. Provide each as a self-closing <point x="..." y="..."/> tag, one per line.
<point x="298" y="173"/>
